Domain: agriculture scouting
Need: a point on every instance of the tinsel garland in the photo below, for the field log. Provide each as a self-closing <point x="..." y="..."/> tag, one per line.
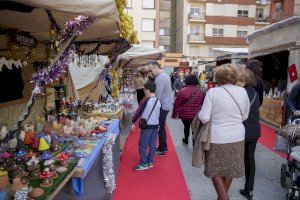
<point x="108" y="165"/>
<point x="67" y="36"/>
<point x="126" y="23"/>
<point x="50" y="74"/>
<point x="75" y="27"/>
<point x="115" y="84"/>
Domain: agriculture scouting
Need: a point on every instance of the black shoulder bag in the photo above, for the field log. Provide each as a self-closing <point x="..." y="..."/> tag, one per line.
<point x="143" y="122"/>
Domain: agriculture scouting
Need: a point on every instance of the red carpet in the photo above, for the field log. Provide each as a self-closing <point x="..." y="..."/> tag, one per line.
<point x="267" y="139"/>
<point x="163" y="182"/>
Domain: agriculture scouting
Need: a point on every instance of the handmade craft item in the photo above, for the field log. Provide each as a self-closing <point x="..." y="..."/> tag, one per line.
<point x="46" y="177"/>
<point x="54" y="142"/>
<point x="37" y="192"/>
<point x="63" y="159"/>
<point x="43" y="145"/>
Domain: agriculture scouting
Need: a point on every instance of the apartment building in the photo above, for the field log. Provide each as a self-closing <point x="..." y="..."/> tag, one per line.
<point x="206" y="24"/>
<point x="165" y="29"/>
<point x="284" y="9"/>
<point x="145" y="14"/>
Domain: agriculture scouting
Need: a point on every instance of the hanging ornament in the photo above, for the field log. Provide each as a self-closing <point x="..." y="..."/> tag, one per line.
<point x="115" y="84"/>
<point x="12" y="49"/>
<point x="29" y="55"/>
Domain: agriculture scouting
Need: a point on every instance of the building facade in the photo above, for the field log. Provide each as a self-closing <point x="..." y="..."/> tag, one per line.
<point x="284" y="9"/>
<point x="165" y="30"/>
<point x="206" y="24"/>
<point x="145" y="14"/>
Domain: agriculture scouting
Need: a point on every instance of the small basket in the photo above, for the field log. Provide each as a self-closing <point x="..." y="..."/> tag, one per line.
<point x="281" y="144"/>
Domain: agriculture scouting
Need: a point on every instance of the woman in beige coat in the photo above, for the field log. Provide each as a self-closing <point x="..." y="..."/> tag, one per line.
<point x="139" y="87"/>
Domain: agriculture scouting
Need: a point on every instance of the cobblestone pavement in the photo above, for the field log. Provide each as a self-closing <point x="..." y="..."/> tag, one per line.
<point x="267" y="183"/>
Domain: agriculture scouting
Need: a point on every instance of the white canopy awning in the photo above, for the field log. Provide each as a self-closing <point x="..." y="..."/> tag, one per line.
<point x="139" y="55"/>
<point x="37" y="22"/>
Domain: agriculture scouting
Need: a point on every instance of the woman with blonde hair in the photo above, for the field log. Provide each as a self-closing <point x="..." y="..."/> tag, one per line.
<point x="225" y="107"/>
<point x="247" y="80"/>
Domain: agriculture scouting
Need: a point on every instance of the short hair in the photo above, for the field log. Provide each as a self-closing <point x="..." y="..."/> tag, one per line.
<point x="247" y="77"/>
<point x="155" y="64"/>
<point x="255" y="66"/>
<point x="150" y="85"/>
<point x="191" y="80"/>
<point x="226" y="74"/>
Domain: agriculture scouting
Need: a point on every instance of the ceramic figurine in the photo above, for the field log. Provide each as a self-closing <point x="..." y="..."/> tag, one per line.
<point x="3" y="132"/>
<point x="63" y="159"/>
<point x="34" y="171"/>
<point x="13" y="143"/>
<point x="36" y="142"/>
<point x="23" y="194"/>
<point x="46" y="156"/>
<point x="43" y="145"/>
<point x="28" y="137"/>
<point x="54" y="142"/>
<point x="46" y="177"/>
<point x="20" y="156"/>
<point x="37" y="192"/>
<point x="5" y="159"/>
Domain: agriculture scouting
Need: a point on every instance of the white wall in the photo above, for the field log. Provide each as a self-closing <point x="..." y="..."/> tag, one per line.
<point x="228" y="10"/>
<point x="231" y="10"/>
<point x="229" y="30"/>
<point x="138" y="13"/>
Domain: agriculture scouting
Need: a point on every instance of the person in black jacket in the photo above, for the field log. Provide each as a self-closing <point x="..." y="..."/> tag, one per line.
<point x="256" y="67"/>
<point x="246" y="79"/>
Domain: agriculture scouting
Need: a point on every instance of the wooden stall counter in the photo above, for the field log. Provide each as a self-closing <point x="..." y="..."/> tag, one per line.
<point x="272" y="111"/>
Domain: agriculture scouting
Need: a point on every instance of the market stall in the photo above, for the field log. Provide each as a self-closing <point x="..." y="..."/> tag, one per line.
<point x="277" y="47"/>
<point x="39" y="155"/>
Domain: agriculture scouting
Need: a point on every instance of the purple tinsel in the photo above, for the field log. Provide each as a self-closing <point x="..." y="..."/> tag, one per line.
<point x="75" y="27"/>
<point x="48" y="75"/>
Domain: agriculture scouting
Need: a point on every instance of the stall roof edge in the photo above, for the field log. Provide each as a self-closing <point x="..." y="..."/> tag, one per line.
<point x="275" y="26"/>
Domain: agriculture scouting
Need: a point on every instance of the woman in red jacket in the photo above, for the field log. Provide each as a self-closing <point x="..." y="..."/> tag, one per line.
<point x="188" y="103"/>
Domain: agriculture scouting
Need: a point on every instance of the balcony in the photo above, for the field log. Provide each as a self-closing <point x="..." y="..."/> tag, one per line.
<point x="262" y="20"/>
<point x="197" y="39"/>
<point x="199" y="17"/>
<point x="266" y="2"/>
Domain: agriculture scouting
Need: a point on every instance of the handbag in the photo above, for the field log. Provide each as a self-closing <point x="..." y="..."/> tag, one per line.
<point x="143" y="122"/>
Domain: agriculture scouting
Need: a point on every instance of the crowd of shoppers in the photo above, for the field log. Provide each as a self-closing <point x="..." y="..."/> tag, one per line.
<point x="232" y="109"/>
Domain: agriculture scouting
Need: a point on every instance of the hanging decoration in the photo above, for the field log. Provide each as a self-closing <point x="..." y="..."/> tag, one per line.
<point x="10" y="63"/>
<point x="18" y="40"/>
<point x="75" y="27"/>
<point x="67" y="36"/>
<point x="115" y="83"/>
<point x="86" y="60"/>
<point x="12" y="50"/>
<point x="126" y="23"/>
<point x="108" y="165"/>
<point x="55" y="72"/>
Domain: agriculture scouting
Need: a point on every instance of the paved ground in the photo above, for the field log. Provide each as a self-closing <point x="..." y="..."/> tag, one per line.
<point x="267" y="186"/>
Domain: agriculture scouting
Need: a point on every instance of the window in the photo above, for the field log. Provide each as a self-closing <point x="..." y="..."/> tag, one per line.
<point x="148" y="25"/>
<point x="259" y="13"/>
<point x="242" y="34"/>
<point x="148" y="4"/>
<point x="164" y="31"/>
<point x="194" y="51"/>
<point x="147" y="43"/>
<point x="242" y="13"/>
<point x="194" y="30"/>
<point x="129" y="4"/>
<point x="195" y="11"/>
<point x="218" y="32"/>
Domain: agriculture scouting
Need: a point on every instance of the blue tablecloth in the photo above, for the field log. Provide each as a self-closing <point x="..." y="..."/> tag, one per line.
<point x="77" y="183"/>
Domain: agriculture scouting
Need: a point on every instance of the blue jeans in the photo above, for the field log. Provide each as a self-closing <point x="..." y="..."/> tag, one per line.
<point x="148" y="138"/>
